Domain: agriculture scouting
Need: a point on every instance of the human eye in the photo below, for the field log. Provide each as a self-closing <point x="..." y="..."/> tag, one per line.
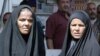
<point x="82" y="25"/>
<point x="73" y="24"/>
<point x="30" y="20"/>
<point x="23" y="19"/>
<point x="67" y="1"/>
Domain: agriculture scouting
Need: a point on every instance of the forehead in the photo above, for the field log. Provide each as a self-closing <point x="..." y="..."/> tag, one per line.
<point x="25" y="12"/>
<point x="25" y="9"/>
<point x="91" y="6"/>
<point x="76" y="21"/>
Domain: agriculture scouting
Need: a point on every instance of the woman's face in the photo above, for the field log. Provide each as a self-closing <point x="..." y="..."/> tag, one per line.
<point x="25" y="21"/>
<point x="77" y="28"/>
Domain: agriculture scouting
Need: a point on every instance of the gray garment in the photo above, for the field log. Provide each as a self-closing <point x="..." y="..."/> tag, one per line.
<point x="96" y="29"/>
<point x="93" y="21"/>
<point x="73" y="43"/>
<point x="12" y="42"/>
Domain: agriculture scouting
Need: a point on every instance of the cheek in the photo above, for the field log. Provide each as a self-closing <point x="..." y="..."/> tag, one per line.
<point x="19" y="24"/>
<point x="30" y="25"/>
<point x="82" y="30"/>
<point x="61" y="5"/>
<point x="72" y="30"/>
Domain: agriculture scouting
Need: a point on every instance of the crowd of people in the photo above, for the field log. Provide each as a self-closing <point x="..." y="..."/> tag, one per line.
<point x="76" y="33"/>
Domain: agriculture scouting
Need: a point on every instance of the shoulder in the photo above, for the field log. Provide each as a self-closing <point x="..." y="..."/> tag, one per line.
<point x="54" y="15"/>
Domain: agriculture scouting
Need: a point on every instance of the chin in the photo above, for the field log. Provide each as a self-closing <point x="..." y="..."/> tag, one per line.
<point x="25" y="33"/>
<point x="77" y="37"/>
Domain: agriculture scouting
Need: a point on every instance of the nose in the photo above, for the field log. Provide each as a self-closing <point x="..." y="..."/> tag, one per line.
<point x="26" y="22"/>
<point x="77" y="27"/>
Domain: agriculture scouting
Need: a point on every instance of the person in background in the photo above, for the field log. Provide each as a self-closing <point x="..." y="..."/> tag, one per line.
<point x="22" y="36"/>
<point x="96" y="26"/>
<point x="56" y="25"/>
<point x="31" y="3"/>
<point x="92" y="11"/>
<point x="98" y="11"/>
<point x="79" y="39"/>
<point x="6" y="17"/>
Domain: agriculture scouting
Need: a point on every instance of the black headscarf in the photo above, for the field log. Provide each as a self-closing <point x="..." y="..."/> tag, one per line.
<point x="12" y="42"/>
<point x="87" y="45"/>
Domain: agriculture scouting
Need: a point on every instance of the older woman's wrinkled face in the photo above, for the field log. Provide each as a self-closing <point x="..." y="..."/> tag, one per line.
<point x="77" y="28"/>
<point x="25" y="21"/>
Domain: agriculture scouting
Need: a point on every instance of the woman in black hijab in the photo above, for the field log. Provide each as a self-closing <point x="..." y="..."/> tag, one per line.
<point x="79" y="39"/>
<point x="22" y="35"/>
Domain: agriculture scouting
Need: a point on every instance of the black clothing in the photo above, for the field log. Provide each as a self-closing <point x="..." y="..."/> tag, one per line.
<point x="12" y="43"/>
<point x="87" y="45"/>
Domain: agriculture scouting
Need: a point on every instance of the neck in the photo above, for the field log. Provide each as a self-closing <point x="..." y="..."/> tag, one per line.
<point x="93" y="21"/>
<point x="76" y="40"/>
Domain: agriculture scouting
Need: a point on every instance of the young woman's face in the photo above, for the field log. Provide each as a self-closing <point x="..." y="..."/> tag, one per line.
<point x="77" y="28"/>
<point x="25" y="21"/>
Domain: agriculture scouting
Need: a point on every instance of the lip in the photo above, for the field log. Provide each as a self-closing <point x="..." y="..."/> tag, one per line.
<point x="77" y="34"/>
<point x="25" y="29"/>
